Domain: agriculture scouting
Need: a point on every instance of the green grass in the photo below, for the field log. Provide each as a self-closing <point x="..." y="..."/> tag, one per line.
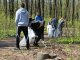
<point x="66" y="40"/>
<point x="8" y="29"/>
<point x="7" y="26"/>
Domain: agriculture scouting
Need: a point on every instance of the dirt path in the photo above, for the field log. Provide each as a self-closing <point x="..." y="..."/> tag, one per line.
<point x="7" y="52"/>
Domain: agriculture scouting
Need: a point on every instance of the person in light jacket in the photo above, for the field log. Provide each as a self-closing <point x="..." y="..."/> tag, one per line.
<point x="22" y="22"/>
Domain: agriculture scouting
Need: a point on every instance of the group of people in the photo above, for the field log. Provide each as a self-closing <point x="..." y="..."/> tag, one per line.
<point x="55" y="26"/>
<point x="23" y="21"/>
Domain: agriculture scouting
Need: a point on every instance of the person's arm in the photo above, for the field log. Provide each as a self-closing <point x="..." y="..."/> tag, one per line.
<point x="17" y="18"/>
<point x="41" y="22"/>
<point x="35" y="18"/>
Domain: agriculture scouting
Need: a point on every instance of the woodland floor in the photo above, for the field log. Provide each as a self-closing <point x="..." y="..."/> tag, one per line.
<point x="65" y="51"/>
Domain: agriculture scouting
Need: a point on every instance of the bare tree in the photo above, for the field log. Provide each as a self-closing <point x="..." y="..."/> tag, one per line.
<point x="35" y="7"/>
<point x="66" y="8"/>
<point x="50" y="7"/>
<point x="55" y="8"/>
<point x="77" y="11"/>
<point x="17" y="5"/>
<point x="39" y="7"/>
<point x="73" y="11"/>
<point x="61" y="8"/>
<point x="26" y="2"/>
<point x="31" y="7"/>
<point x="11" y="8"/>
<point x="43" y="8"/>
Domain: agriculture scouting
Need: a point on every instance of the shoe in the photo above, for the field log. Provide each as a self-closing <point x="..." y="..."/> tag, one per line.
<point x="28" y="48"/>
<point x="16" y="48"/>
<point x="36" y="45"/>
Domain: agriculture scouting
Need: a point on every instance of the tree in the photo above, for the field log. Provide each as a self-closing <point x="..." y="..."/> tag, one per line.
<point x="31" y="7"/>
<point x="26" y="2"/>
<point x="66" y="8"/>
<point x="35" y="7"/>
<point x="61" y="8"/>
<point x="5" y="7"/>
<point x="0" y="3"/>
<point x="77" y="11"/>
<point x="17" y="5"/>
<point x="55" y="8"/>
<point x="11" y="8"/>
<point x="50" y="7"/>
<point x="73" y="11"/>
<point x="39" y="7"/>
<point x="43" y="8"/>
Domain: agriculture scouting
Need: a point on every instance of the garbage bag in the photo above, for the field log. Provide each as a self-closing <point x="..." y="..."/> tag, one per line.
<point x="31" y="36"/>
<point x="23" y="42"/>
<point x="52" y="32"/>
<point x="49" y="30"/>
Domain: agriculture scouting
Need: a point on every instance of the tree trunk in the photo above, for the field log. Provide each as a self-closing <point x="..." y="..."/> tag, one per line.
<point x="55" y="8"/>
<point x="12" y="9"/>
<point x="17" y="5"/>
<point x="5" y="1"/>
<point x="73" y="8"/>
<point x="31" y="7"/>
<point x="26" y="2"/>
<point x="67" y="5"/>
<point x="50" y="7"/>
<point x="43" y="8"/>
<point x="0" y="4"/>
<point x="35" y="7"/>
<point x="61" y="8"/>
<point x="39" y="7"/>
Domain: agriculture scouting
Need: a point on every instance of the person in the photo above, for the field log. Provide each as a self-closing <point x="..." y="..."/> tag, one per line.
<point x="22" y="22"/>
<point x="30" y="19"/>
<point x="60" y="25"/>
<point x="39" y="30"/>
<point x="54" y="23"/>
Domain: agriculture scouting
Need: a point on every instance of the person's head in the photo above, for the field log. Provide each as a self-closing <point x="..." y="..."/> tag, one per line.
<point x="22" y="5"/>
<point x="38" y="13"/>
<point x="55" y="18"/>
<point x="61" y="18"/>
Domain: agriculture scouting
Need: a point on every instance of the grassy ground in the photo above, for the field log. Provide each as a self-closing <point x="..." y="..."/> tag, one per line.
<point x="66" y="47"/>
<point x="8" y="29"/>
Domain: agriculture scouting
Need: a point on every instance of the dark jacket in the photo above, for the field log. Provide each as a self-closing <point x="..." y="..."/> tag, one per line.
<point x="54" y="22"/>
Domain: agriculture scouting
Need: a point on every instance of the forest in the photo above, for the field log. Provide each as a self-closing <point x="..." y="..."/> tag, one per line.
<point x="69" y="9"/>
<point x="67" y="47"/>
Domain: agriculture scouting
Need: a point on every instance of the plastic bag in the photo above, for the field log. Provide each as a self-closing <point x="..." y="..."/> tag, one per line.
<point x="23" y="42"/>
<point x="52" y="32"/>
<point x="31" y="36"/>
<point x="49" y="30"/>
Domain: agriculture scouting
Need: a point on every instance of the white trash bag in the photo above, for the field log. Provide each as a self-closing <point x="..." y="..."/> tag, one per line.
<point x="31" y="36"/>
<point x="52" y="32"/>
<point x="49" y="30"/>
<point x="23" y="42"/>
